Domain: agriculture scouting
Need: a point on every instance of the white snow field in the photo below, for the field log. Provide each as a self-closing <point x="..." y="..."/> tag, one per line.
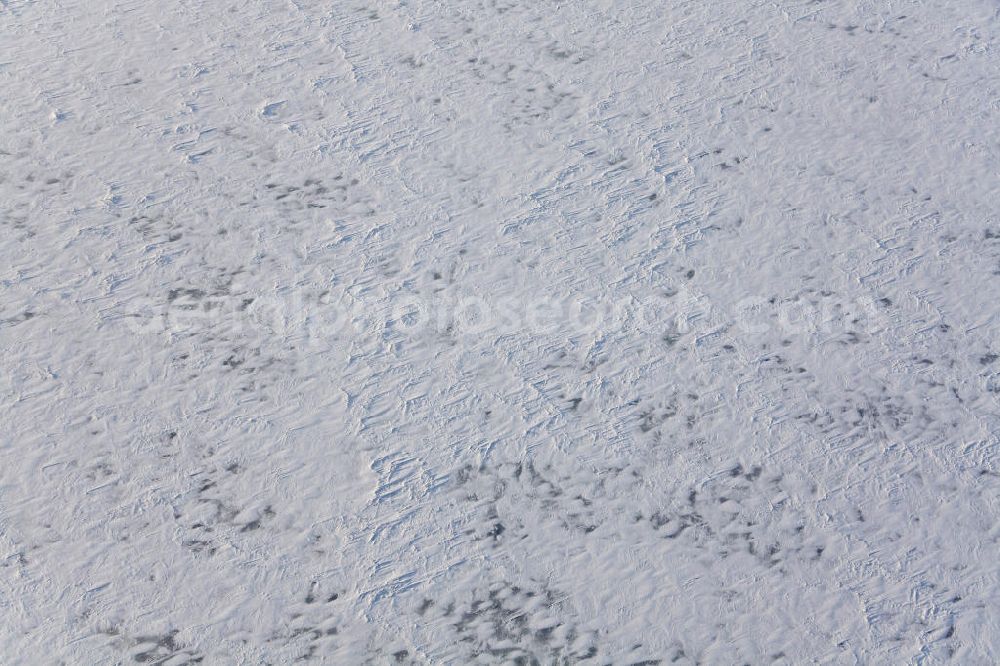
<point x="499" y="332"/>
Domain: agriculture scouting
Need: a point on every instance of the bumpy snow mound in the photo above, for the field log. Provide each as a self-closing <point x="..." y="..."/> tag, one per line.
<point x="481" y="331"/>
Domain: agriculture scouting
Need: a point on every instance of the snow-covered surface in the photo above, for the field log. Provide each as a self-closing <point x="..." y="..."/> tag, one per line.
<point x="487" y="331"/>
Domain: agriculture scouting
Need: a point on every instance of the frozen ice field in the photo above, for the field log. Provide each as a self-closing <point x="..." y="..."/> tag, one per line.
<point x="499" y="332"/>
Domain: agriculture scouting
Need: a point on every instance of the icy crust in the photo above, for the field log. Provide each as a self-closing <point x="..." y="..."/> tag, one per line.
<point x="495" y="332"/>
